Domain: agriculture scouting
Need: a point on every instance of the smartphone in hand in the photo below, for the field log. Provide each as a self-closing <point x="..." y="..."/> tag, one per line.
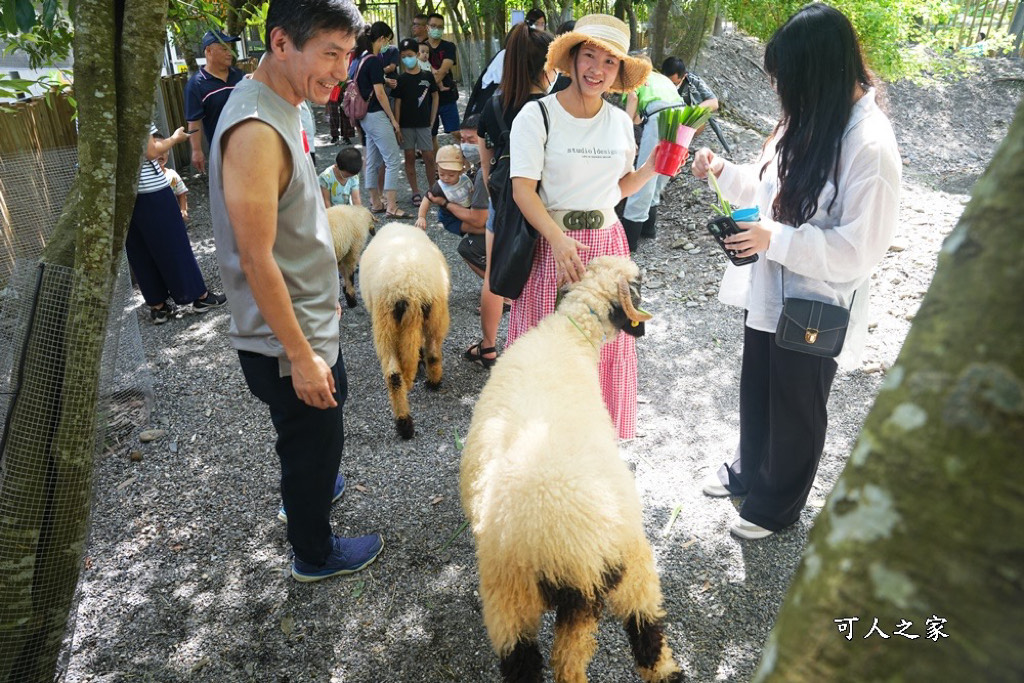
<point x="723" y="227"/>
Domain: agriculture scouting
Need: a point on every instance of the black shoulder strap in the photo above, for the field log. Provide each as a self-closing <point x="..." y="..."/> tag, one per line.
<point x="498" y="114"/>
<point x="544" y="113"/>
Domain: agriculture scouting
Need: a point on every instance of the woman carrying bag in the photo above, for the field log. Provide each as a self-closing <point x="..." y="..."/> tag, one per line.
<point x="523" y="80"/>
<point x="827" y="187"/>
<point x="381" y="132"/>
<point x="567" y="178"/>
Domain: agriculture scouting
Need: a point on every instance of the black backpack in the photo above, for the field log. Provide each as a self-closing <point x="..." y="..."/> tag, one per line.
<point x="498" y="174"/>
<point x="514" y="238"/>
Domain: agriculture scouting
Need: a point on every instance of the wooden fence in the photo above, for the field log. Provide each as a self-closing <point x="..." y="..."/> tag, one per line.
<point x="38" y="123"/>
<point x="977" y="20"/>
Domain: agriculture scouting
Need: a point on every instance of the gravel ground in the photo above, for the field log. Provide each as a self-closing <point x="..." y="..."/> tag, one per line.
<point x="186" y="575"/>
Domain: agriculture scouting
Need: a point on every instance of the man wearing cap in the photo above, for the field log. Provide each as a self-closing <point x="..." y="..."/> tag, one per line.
<point x="208" y="90"/>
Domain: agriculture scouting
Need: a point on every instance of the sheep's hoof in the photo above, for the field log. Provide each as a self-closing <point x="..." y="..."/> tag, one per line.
<point x="434" y="386"/>
<point x="404" y="427"/>
<point x="351" y="301"/>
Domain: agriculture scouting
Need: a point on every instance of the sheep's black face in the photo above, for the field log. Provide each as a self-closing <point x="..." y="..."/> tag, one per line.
<point x="618" y="316"/>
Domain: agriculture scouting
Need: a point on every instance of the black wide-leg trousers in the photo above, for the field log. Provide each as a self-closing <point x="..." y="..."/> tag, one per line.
<point x="783" y="418"/>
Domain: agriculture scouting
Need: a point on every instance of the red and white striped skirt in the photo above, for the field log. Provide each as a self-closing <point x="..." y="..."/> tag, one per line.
<point x="618" y="366"/>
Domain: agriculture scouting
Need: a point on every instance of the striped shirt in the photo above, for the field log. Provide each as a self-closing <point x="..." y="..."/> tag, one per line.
<point x="151" y="178"/>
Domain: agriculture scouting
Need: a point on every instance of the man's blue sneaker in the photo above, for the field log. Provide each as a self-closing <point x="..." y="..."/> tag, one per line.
<point x="339" y="488"/>
<point x="348" y="556"/>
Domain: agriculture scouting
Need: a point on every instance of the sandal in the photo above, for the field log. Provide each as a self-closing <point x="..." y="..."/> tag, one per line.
<point x="398" y="215"/>
<point x="382" y="209"/>
<point x="417" y="199"/>
<point x="475" y="354"/>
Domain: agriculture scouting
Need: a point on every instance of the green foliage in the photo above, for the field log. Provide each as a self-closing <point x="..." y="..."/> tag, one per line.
<point x="901" y="38"/>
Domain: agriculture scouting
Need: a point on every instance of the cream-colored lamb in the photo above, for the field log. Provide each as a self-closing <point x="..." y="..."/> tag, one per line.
<point x="350" y="226"/>
<point x="404" y="280"/>
<point x="553" y="507"/>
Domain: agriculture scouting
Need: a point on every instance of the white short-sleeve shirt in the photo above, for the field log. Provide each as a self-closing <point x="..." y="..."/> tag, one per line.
<point x="580" y="166"/>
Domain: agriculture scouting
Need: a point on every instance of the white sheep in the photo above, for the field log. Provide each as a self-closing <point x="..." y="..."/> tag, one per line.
<point x="553" y="508"/>
<point x="350" y="226"/>
<point x="404" y="280"/>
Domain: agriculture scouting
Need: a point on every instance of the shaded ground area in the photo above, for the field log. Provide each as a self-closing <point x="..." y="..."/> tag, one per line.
<point x="186" y="576"/>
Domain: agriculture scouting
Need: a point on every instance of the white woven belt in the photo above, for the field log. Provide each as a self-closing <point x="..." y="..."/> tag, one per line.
<point x="584" y="220"/>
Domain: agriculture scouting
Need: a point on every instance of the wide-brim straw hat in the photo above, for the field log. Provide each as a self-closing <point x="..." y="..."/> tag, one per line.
<point x="608" y="33"/>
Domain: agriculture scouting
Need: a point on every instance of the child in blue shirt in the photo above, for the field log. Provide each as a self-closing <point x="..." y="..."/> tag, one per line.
<point x="339" y="184"/>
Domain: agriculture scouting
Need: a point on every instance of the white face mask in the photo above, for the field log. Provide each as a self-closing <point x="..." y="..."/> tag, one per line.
<point x="471" y="152"/>
<point x="551" y="81"/>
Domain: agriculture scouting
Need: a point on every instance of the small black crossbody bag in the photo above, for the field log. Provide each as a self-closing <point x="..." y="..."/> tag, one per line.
<point x="813" y="327"/>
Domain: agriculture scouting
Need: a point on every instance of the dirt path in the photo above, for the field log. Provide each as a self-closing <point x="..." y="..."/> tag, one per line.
<point x="186" y="572"/>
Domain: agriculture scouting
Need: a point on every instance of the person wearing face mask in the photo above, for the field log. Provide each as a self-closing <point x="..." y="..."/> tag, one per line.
<point x="536" y="19"/>
<point x="523" y="80"/>
<point x="416" y="102"/>
<point x="443" y="57"/>
<point x="460" y="196"/>
<point x="381" y="131"/>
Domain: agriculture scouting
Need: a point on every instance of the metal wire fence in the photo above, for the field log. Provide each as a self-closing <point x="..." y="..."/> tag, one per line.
<point x="46" y="456"/>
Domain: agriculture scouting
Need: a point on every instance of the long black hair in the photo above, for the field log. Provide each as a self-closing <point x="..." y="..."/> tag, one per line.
<point x="526" y="49"/>
<point x="371" y="34"/>
<point x="816" y="63"/>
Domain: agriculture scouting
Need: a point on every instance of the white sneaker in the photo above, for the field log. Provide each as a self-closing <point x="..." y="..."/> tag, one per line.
<point x="749" y="531"/>
<point x="713" y="487"/>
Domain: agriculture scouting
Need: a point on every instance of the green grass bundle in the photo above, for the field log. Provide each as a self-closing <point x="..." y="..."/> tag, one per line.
<point x="691" y="116"/>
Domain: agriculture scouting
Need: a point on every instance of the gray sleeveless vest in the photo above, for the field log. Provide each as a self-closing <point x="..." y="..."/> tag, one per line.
<point x="303" y="248"/>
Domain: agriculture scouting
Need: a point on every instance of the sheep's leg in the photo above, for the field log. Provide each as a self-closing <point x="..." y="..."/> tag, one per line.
<point x="576" y="624"/>
<point x="637" y="601"/>
<point x="512" y="611"/>
<point x="435" y="329"/>
<point x="348" y="271"/>
<point x="391" y="342"/>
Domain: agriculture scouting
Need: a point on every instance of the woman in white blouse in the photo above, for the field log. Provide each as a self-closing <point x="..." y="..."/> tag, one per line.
<point x="580" y="163"/>
<point x="828" y="189"/>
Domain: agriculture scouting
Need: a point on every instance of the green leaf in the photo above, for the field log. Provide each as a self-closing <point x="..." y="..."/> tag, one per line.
<point x="72" y="6"/>
<point x="24" y="14"/>
<point x="10" y="23"/>
<point x="458" y="532"/>
<point x="50" y="12"/>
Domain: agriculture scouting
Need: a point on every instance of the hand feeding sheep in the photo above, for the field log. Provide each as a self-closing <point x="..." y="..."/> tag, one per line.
<point x="350" y="226"/>
<point x="553" y="508"/>
<point x="404" y="280"/>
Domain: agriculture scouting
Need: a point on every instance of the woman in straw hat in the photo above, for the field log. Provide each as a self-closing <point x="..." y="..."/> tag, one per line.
<point x="827" y="187"/>
<point x="567" y="178"/>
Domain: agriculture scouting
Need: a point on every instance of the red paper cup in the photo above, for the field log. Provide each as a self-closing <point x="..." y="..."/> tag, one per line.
<point x="670" y="157"/>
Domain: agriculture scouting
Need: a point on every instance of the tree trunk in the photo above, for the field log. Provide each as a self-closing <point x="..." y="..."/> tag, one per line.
<point x="634" y="25"/>
<point x="659" y="30"/>
<point x="925" y="522"/>
<point x="48" y="457"/>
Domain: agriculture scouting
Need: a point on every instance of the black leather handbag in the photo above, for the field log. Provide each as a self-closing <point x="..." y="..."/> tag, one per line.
<point x="812" y="327"/>
<point x="515" y="240"/>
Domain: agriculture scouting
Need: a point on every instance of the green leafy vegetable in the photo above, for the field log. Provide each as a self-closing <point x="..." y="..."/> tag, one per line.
<point x="723" y="207"/>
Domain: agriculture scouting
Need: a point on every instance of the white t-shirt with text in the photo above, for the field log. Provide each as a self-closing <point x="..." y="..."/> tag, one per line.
<point x="580" y="167"/>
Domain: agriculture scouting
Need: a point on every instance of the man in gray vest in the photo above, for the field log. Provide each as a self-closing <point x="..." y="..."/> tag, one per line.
<point x="276" y="257"/>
